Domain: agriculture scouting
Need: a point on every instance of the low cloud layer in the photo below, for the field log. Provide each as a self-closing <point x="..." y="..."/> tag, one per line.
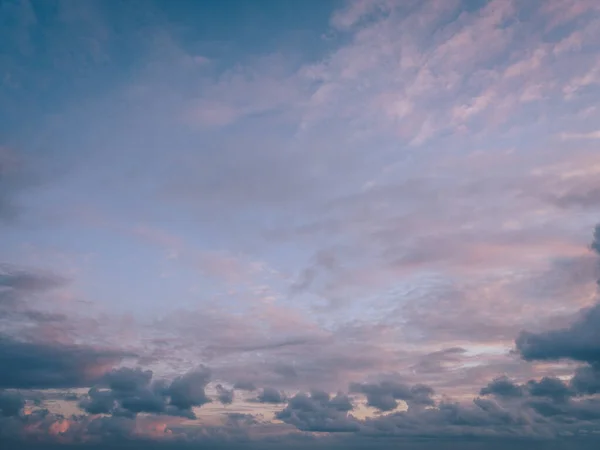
<point x="132" y="391"/>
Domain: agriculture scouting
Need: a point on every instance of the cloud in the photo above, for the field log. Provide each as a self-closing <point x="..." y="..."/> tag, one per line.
<point x="129" y="392"/>
<point x="225" y="395"/>
<point x="127" y="379"/>
<point x="586" y="380"/>
<point x="98" y="402"/>
<point x="280" y="335"/>
<point x="11" y="403"/>
<point x="385" y="395"/>
<point x="550" y="387"/>
<point x="430" y="277"/>
<point x="244" y="386"/>
<point x="33" y="307"/>
<point x="355" y="11"/>
<point x="45" y="366"/>
<point x="188" y="390"/>
<point x="319" y="412"/>
<point x="502" y="387"/>
<point x="595" y="246"/>
<point x="270" y="395"/>
<point x="132" y="391"/>
<point x="28" y="281"/>
<point x="17" y="285"/>
<point x="542" y="412"/>
<point x="580" y="341"/>
<point x="439" y="361"/>
<point x="576" y="136"/>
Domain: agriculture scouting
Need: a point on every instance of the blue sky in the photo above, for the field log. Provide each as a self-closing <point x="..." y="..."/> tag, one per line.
<point x="387" y="202"/>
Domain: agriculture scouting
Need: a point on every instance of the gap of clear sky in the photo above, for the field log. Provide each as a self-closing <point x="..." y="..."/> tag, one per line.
<point x="338" y="224"/>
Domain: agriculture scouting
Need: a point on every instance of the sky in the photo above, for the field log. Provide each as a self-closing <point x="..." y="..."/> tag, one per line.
<point x="325" y="224"/>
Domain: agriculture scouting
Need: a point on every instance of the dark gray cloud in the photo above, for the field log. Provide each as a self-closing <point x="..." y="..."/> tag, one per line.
<point x="224" y="395"/>
<point x="579" y="414"/>
<point x="502" y="387"/>
<point x="131" y="391"/>
<point x="189" y="390"/>
<point x="244" y="386"/>
<point x="44" y="366"/>
<point x="319" y="412"/>
<point x="480" y="417"/>
<point x="536" y="416"/>
<point x="385" y="395"/>
<point x="549" y="387"/>
<point x="270" y="395"/>
<point x="110" y="428"/>
<point x="595" y="246"/>
<point x="11" y="403"/>
<point x="98" y="402"/>
<point x="579" y="342"/>
<point x="586" y="380"/>
<point x="126" y="379"/>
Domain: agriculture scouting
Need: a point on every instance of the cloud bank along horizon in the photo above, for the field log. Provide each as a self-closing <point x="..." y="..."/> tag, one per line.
<point x="338" y="224"/>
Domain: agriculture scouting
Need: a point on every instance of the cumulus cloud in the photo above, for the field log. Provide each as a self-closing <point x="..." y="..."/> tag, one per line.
<point x="551" y="397"/>
<point x="270" y="395"/>
<point x="189" y="390"/>
<point x="586" y="380"/>
<point x="580" y="341"/>
<point x="550" y="387"/>
<point x="319" y="412"/>
<point x="127" y="379"/>
<point x="131" y="391"/>
<point x="98" y="402"/>
<point x="502" y="387"/>
<point x="385" y="395"/>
